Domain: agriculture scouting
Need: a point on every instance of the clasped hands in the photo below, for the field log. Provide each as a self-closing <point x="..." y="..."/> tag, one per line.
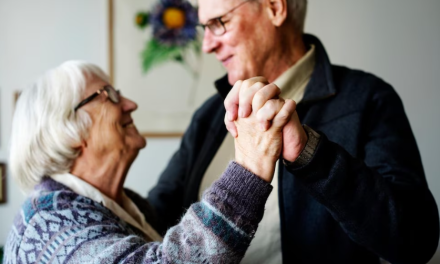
<point x="264" y="126"/>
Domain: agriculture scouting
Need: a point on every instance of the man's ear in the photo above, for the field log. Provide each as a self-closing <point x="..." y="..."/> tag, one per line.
<point x="277" y="11"/>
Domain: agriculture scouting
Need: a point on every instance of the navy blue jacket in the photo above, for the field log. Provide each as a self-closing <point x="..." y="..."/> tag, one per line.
<point x="364" y="194"/>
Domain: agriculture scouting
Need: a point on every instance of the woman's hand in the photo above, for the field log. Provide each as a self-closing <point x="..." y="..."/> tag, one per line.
<point x="257" y="148"/>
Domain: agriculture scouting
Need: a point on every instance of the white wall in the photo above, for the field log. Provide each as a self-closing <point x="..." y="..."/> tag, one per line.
<point x="397" y="40"/>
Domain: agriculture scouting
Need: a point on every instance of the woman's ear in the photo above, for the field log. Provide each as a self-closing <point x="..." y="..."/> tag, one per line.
<point x="277" y="11"/>
<point x="81" y="145"/>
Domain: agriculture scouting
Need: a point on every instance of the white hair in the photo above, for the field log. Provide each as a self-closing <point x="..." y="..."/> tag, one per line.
<point x="296" y="12"/>
<point x="45" y="127"/>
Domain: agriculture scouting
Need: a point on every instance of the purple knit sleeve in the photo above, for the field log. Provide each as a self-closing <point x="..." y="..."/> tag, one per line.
<point x="67" y="227"/>
<point x="240" y="195"/>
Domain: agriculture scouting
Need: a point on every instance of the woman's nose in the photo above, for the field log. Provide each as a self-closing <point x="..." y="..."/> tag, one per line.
<point x="128" y="105"/>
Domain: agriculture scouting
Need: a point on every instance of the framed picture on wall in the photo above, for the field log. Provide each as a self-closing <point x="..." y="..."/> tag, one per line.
<point x="167" y="95"/>
<point x="16" y="95"/>
<point x="2" y="183"/>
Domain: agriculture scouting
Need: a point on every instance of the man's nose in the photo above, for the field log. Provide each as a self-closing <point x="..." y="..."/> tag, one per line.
<point x="210" y="42"/>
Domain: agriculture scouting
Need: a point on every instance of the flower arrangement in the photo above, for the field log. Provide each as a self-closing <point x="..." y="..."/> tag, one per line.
<point x="174" y="36"/>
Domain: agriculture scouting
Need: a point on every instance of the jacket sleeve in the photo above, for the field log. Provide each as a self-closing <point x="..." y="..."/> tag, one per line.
<point x="218" y="229"/>
<point x="382" y="201"/>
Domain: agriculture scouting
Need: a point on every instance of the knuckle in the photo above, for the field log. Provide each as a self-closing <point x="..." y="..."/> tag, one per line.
<point x="247" y="83"/>
<point x="258" y="97"/>
<point x="274" y="86"/>
<point x="238" y="83"/>
<point x="276" y="105"/>
<point x="271" y="105"/>
<point x="261" y="116"/>
<point x="247" y="97"/>
<point x="283" y="115"/>
<point x="227" y="102"/>
<point x="261" y="79"/>
<point x="293" y="105"/>
<point x="258" y="85"/>
<point x="265" y="93"/>
<point x="271" y="89"/>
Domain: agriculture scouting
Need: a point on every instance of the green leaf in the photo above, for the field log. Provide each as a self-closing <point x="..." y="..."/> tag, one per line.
<point x="142" y="19"/>
<point x="197" y="46"/>
<point x="179" y="58"/>
<point x="155" y="53"/>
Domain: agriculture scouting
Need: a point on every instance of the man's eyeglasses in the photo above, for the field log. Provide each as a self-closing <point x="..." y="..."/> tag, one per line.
<point x="109" y="91"/>
<point x="216" y="25"/>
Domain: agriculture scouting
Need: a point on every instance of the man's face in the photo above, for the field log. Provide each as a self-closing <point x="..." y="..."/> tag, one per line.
<point x="244" y="48"/>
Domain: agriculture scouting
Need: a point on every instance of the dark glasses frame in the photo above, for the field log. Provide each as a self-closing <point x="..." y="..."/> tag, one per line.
<point x="109" y="91"/>
<point x="216" y="24"/>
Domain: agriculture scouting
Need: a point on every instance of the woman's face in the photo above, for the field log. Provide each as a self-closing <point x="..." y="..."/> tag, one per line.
<point x="112" y="130"/>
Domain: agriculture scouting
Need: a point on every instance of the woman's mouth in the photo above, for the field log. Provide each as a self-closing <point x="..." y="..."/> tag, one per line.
<point x="128" y="124"/>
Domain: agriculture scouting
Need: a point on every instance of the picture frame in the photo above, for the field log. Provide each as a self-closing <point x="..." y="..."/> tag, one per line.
<point x="2" y="183"/>
<point x="167" y="96"/>
<point x="16" y="96"/>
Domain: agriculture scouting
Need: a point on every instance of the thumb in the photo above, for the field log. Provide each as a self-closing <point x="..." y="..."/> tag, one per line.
<point x="294" y="138"/>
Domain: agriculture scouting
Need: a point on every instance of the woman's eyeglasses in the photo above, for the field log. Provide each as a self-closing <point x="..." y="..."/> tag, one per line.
<point x="109" y="91"/>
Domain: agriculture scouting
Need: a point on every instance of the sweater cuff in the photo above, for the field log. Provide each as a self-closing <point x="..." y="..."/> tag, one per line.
<point x="249" y="188"/>
<point x="240" y="195"/>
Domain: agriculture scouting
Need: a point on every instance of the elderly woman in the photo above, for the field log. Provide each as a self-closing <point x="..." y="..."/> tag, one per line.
<point x="73" y="142"/>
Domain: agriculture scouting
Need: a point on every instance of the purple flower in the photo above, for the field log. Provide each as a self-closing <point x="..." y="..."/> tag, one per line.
<point x="174" y="22"/>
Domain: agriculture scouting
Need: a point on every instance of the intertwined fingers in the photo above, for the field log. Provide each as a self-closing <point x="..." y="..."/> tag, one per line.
<point x="268" y="111"/>
<point x="247" y="91"/>
<point x="235" y="99"/>
<point x="231" y="101"/>
<point x="284" y="115"/>
<point x="230" y="126"/>
<point x="270" y="91"/>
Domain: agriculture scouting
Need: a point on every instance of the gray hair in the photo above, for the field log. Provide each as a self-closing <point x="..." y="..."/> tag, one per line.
<point x="296" y="13"/>
<point x="45" y="127"/>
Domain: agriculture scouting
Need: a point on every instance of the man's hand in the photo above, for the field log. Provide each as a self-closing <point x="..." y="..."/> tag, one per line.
<point x="253" y="95"/>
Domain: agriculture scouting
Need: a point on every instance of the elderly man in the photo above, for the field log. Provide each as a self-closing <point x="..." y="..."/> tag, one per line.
<point x="356" y="193"/>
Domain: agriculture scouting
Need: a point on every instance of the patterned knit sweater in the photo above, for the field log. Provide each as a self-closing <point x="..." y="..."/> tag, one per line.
<point x="56" y="225"/>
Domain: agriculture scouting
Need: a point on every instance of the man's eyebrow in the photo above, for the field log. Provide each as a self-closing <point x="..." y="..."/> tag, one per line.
<point x="210" y="19"/>
<point x="221" y="14"/>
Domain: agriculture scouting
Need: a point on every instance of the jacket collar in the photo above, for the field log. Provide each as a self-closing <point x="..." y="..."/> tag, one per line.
<point x="223" y="87"/>
<point x="321" y="83"/>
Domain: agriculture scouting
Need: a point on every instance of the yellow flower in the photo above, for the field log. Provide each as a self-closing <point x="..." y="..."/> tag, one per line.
<point x="173" y="18"/>
<point x="140" y="19"/>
